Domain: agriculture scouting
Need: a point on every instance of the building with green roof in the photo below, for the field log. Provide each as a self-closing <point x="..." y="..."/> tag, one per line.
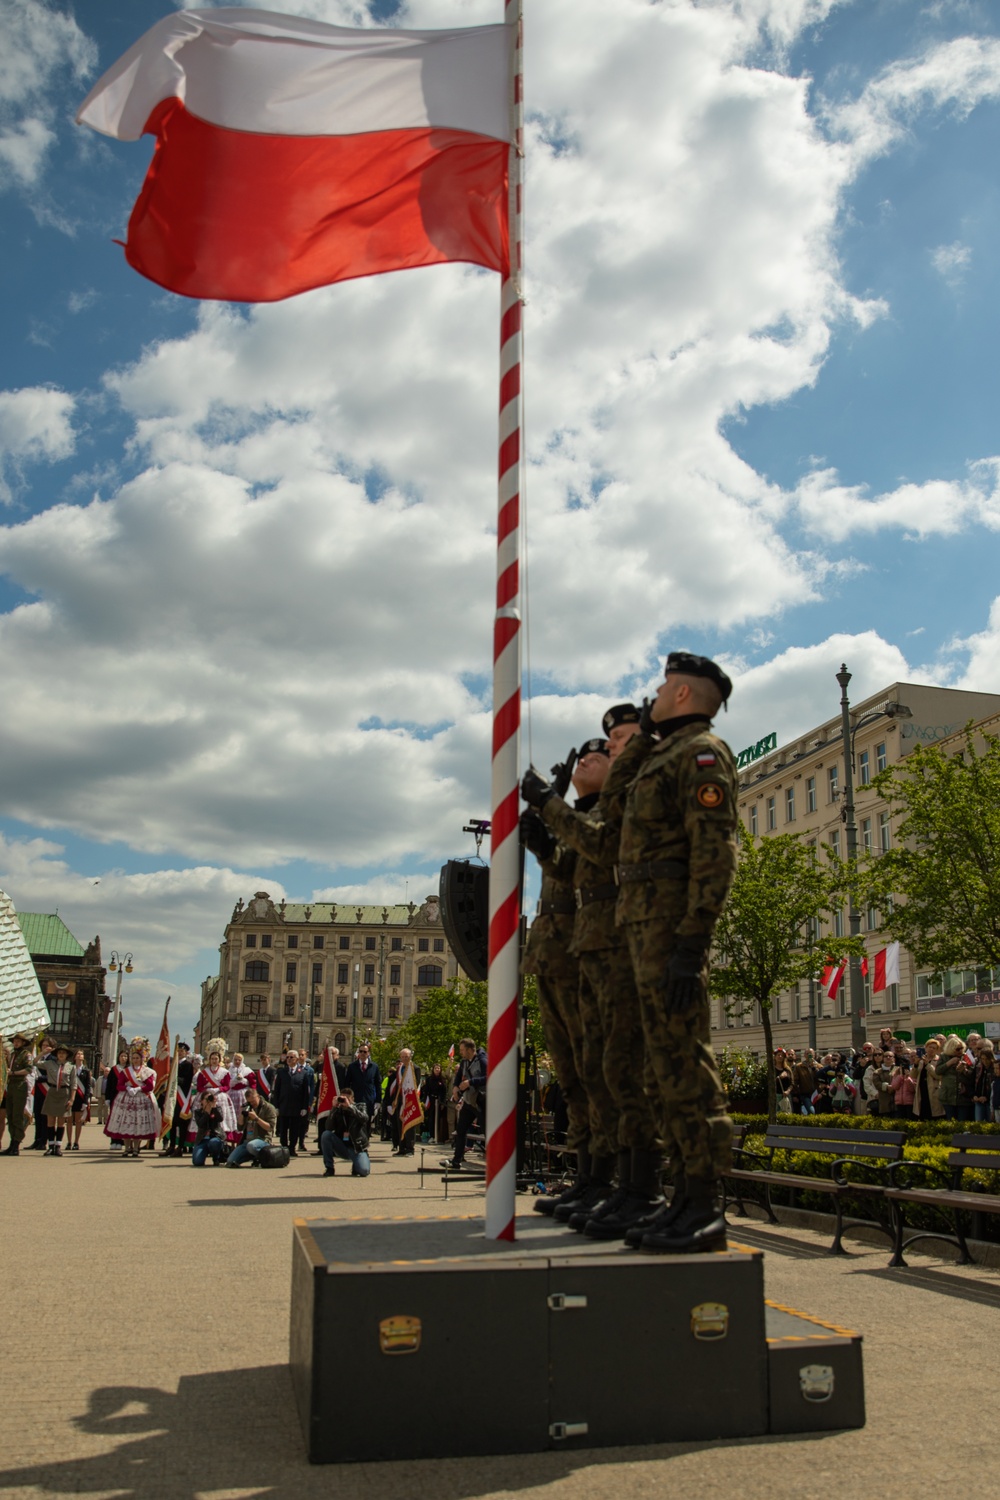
<point x="71" y="977"/>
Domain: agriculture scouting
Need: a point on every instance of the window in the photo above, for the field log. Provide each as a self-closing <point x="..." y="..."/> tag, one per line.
<point x="835" y="843"/>
<point x="753" y="821"/>
<point x="395" y="971"/>
<point x="394" y="1008"/>
<point x="257" y="969"/>
<point x="810" y="794"/>
<point x="318" y="941"/>
<point x="423" y="945"/>
<point x="289" y="1005"/>
<point x="893" y="993"/>
<point x="429" y="974"/>
<point x="790" y="804"/>
<point x="866" y="834"/>
<point x="439" y="945"/>
<point x="772" y="816"/>
<point x="871" y="916"/>
<point x="254" y="1005"/>
<point x="345" y="942"/>
<point x="864" y="769"/>
<point x="838" y="923"/>
<point x="396" y="944"/>
<point x="881" y="759"/>
<point x="883" y="832"/>
<point x="833" y="783"/>
<point x="370" y="944"/>
<point x="250" y="940"/>
<point x="341" y="1006"/>
<point x="265" y="940"/>
<point x="291" y="970"/>
<point x="366" y="1006"/>
<point x="342" y="973"/>
<point x="60" y="1009"/>
<point x="369" y="973"/>
<point x="244" y="1042"/>
<point x="261" y="1043"/>
<point x="315" y="1045"/>
<point x="340" y="1041"/>
<point x="293" y="940"/>
<point x="317" y="974"/>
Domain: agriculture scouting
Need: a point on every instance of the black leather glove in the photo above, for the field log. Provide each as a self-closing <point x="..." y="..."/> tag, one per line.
<point x="683" y="980"/>
<point x="646" y="725"/>
<point x="535" y="790"/>
<point x="535" y="835"/>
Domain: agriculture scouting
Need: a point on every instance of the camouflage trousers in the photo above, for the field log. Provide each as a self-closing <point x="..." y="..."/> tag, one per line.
<point x="17" y="1099"/>
<point x="559" y="1006"/>
<point x="681" y="1076"/>
<point x="607" y="975"/>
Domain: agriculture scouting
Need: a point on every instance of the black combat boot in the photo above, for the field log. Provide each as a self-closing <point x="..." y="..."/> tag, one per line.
<point x="14" y="1149"/>
<point x="595" y="1190"/>
<point x="582" y="1215"/>
<point x="660" y="1214"/>
<point x="547" y="1204"/>
<point x="642" y="1199"/>
<point x="700" y="1225"/>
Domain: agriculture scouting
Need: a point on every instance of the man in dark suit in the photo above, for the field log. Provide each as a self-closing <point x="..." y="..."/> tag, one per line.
<point x="177" y="1137"/>
<point x="291" y="1096"/>
<point x="364" y="1078"/>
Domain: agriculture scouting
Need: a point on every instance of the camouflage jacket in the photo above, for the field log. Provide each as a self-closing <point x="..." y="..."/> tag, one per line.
<point x="595" y="836"/>
<point x="681" y="807"/>
<point x="551" y="933"/>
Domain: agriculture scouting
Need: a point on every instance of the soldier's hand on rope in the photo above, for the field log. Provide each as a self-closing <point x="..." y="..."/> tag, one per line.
<point x="535" y="790"/>
<point x="684" y="969"/>
<point x="535" y="836"/>
<point x="646" y="724"/>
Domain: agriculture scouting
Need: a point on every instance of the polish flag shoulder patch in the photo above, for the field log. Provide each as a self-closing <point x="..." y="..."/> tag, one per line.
<point x="705" y="758"/>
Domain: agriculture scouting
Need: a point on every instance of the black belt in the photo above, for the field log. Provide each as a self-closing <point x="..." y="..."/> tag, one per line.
<point x="556" y="906"/>
<point x="585" y="894"/>
<point x="655" y="869"/>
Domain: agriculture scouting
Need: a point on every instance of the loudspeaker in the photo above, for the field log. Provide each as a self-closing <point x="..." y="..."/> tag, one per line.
<point x="465" y="914"/>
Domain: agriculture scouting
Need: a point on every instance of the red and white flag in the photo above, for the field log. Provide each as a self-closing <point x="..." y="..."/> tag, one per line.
<point x="291" y="154"/>
<point x="451" y="1051"/>
<point x="329" y="1088"/>
<point x="831" y="978"/>
<point x="170" y="1095"/>
<point x="886" y="968"/>
<point x="161" y="1057"/>
<point x="411" y="1112"/>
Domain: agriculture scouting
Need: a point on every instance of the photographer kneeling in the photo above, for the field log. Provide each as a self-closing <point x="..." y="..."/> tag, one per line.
<point x="346" y="1136"/>
<point x="258" y="1122"/>
<point x="210" y="1122"/>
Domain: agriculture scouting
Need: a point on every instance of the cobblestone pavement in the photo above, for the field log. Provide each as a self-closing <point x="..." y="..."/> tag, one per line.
<point x="146" y="1337"/>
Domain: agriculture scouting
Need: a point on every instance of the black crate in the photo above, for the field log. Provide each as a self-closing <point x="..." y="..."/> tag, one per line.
<point x="815" y="1373"/>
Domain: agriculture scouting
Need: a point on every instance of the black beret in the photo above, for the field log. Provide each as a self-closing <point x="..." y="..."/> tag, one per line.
<point x="699" y="666"/>
<point x="622" y="713"/>
<point x="593" y="747"/>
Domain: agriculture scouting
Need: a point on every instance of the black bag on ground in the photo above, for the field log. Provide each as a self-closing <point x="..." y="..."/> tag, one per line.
<point x="273" y="1156"/>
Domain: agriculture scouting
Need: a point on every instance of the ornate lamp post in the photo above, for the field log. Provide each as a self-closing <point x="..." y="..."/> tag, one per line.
<point x="117" y="965"/>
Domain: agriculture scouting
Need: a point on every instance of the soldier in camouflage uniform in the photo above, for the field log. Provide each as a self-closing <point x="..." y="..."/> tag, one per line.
<point x="592" y="1131"/>
<point x="17" y="1091"/>
<point x="608" y="997"/>
<point x="677" y="859"/>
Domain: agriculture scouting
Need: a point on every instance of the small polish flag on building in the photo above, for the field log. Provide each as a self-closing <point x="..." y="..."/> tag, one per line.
<point x="886" y="968"/>
<point x="831" y="978"/>
<point x="291" y="154"/>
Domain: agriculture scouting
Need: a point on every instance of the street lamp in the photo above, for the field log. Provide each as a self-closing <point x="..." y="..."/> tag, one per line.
<point x="117" y="965"/>
<point x="856" y="990"/>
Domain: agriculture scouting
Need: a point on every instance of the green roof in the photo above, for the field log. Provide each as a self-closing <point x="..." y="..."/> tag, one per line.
<point x="47" y="935"/>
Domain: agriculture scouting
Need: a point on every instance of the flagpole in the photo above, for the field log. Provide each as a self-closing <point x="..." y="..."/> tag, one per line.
<point x="505" y="896"/>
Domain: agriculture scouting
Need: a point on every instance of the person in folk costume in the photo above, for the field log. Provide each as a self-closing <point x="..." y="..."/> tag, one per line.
<point x="115" y="1082"/>
<point x="40" y="1087"/>
<point x="60" y="1079"/>
<point x="215" y="1076"/>
<point x="19" y="1070"/>
<point x="241" y="1078"/>
<point x="135" y="1114"/>
<point x="175" y="1141"/>
<point x="80" y="1102"/>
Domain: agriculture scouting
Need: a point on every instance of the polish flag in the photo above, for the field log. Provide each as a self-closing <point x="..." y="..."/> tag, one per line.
<point x="291" y="154"/>
<point x="886" y="968"/>
<point x="831" y="977"/>
<point x="161" y="1057"/>
<point x="329" y="1088"/>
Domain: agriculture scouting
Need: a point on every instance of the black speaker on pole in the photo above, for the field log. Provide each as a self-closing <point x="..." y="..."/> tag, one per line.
<point x="465" y="913"/>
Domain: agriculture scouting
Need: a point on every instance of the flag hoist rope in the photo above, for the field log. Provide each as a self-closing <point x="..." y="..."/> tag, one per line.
<point x="505" y="903"/>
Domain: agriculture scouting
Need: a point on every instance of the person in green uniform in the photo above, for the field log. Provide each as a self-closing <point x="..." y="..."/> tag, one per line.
<point x="17" y="1091"/>
<point x="676" y="863"/>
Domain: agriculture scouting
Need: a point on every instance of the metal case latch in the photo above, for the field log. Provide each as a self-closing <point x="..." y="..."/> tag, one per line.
<point x="563" y="1301"/>
<point x="560" y="1430"/>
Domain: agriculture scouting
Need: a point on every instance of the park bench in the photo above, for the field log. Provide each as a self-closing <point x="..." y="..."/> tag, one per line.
<point x="976" y="1151"/>
<point x="878" y="1149"/>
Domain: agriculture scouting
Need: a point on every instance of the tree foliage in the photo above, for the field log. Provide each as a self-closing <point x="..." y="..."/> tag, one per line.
<point x="447" y="1014"/>
<point x="944" y="867"/>
<point x="763" y="942"/>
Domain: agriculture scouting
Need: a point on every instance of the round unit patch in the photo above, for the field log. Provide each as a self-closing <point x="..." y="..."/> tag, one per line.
<point x="710" y="794"/>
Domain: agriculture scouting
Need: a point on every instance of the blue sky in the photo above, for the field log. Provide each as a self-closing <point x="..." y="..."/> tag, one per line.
<point x="245" y="555"/>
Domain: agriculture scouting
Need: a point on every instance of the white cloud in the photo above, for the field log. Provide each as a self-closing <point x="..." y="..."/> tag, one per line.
<point x="951" y="261"/>
<point x="35" y="424"/>
<point x="40" y="43"/>
<point x="940" y="507"/>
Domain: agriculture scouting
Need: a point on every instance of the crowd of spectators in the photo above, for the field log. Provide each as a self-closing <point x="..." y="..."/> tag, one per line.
<point x="947" y="1078"/>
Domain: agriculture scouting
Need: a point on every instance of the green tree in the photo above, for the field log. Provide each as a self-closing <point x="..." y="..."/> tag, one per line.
<point x="446" y="1015"/>
<point x="938" y="888"/>
<point x="765" y="940"/>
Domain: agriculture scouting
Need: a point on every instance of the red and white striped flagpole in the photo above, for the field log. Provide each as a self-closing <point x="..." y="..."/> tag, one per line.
<point x="505" y="895"/>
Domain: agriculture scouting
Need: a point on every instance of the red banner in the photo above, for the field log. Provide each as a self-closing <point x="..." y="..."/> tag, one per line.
<point x="329" y="1089"/>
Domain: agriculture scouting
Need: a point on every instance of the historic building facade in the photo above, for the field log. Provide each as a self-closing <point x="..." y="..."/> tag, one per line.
<point x="320" y="973"/>
<point x="72" y="981"/>
<point x="798" y="788"/>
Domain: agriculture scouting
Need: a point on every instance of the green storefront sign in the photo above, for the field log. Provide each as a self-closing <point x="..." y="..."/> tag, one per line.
<point x="754" y="752"/>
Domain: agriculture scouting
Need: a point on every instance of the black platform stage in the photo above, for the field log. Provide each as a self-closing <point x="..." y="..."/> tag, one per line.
<point x="477" y="1346"/>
